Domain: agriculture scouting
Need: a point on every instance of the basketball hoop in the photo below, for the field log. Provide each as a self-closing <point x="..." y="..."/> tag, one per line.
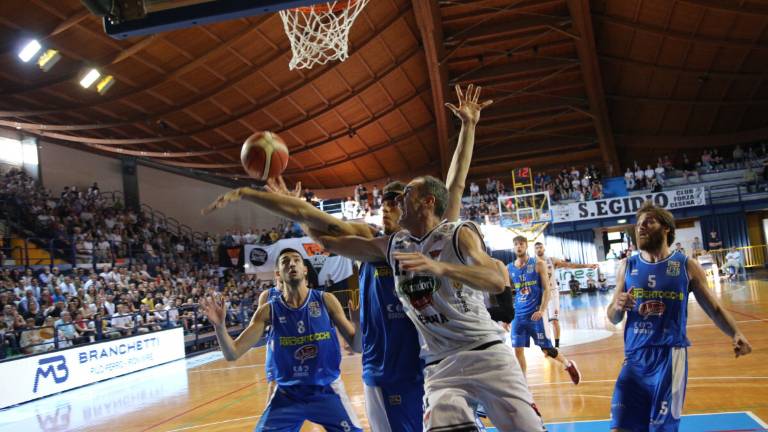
<point x="320" y="33"/>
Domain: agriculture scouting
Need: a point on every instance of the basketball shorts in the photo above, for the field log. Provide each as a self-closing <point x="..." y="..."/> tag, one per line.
<point x="650" y="390"/>
<point x="327" y="406"/>
<point x="395" y="407"/>
<point x="553" y="307"/>
<point x="492" y="377"/>
<point x="525" y="329"/>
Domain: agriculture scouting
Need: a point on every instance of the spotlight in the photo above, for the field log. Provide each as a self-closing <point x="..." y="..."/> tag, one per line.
<point x="621" y="221"/>
<point x="29" y="50"/>
<point x="90" y="78"/>
<point x="105" y="83"/>
<point x="48" y="59"/>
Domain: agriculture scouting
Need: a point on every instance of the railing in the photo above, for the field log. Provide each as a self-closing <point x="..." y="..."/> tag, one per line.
<point x="751" y="256"/>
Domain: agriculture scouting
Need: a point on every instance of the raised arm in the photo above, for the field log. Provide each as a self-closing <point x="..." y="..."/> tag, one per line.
<point x="480" y="272"/>
<point x="291" y="207"/>
<point x="468" y="112"/>
<point x="622" y="301"/>
<point x="234" y="349"/>
<point x="722" y="319"/>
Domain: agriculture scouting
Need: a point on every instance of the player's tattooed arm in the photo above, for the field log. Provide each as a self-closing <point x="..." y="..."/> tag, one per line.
<point x="355" y="247"/>
<point x="716" y="312"/>
<point x="622" y="301"/>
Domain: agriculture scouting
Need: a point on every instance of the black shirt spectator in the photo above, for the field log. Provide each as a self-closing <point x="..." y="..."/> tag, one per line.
<point x="714" y="240"/>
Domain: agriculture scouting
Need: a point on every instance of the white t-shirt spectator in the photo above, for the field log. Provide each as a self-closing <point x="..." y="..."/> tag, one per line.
<point x="575" y="183"/>
<point x="122" y="321"/>
<point x="629" y="178"/>
<point x="474" y="189"/>
<point x="68" y="288"/>
<point x="639" y="174"/>
<point x="110" y="222"/>
<point x="659" y="170"/>
<point x="585" y="182"/>
<point x="575" y="173"/>
<point x="649" y="173"/>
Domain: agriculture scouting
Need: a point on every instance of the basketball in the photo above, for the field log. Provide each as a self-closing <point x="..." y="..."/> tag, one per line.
<point x="264" y="155"/>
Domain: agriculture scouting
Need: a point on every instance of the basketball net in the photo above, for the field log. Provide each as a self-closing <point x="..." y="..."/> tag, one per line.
<point x="320" y="33"/>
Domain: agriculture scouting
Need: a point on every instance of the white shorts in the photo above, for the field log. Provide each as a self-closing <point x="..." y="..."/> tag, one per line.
<point x="491" y="377"/>
<point x="553" y="307"/>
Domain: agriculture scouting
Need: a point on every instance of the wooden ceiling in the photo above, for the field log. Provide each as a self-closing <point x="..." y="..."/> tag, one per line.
<point x="574" y="82"/>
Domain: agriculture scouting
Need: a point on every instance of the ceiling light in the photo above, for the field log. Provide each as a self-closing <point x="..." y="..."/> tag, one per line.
<point x="48" y="59"/>
<point x="105" y="84"/>
<point x="90" y="78"/>
<point x="29" y="50"/>
<point x="621" y="221"/>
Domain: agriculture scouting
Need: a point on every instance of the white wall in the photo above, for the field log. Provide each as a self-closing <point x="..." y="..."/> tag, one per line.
<point x="182" y="198"/>
<point x="685" y="237"/>
<point x="64" y="166"/>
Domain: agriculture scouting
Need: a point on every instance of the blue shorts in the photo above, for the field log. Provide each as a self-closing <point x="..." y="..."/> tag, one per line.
<point x="650" y="390"/>
<point x="327" y="406"/>
<point x="397" y="405"/>
<point x="524" y="329"/>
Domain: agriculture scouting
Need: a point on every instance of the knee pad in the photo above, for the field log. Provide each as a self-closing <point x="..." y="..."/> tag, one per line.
<point x="551" y="352"/>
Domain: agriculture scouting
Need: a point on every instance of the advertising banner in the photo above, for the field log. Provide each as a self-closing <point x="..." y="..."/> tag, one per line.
<point x="261" y="259"/>
<point x="628" y="205"/>
<point x="45" y="374"/>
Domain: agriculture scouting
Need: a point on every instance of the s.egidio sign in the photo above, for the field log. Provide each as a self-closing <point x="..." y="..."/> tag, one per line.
<point x="628" y="205"/>
<point x="45" y="374"/>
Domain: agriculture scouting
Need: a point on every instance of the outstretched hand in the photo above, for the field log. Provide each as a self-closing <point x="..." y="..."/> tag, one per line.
<point x="469" y="108"/>
<point x="279" y="187"/>
<point x="223" y="200"/>
<point x="213" y="308"/>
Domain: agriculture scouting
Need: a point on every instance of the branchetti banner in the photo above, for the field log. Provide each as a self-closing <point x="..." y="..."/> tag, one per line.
<point x="625" y="206"/>
<point x="45" y="374"/>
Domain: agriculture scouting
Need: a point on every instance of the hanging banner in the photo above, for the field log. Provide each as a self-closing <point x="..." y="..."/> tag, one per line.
<point x="261" y="259"/>
<point x="628" y="205"/>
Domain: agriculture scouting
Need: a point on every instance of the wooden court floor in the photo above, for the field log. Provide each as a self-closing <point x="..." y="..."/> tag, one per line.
<point x="221" y="396"/>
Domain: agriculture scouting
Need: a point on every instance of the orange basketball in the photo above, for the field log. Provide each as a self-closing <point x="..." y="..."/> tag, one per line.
<point x="264" y="155"/>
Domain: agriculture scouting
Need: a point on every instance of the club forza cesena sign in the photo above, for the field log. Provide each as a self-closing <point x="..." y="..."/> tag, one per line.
<point x="45" y="374"/>
<point x="628" y="205"/>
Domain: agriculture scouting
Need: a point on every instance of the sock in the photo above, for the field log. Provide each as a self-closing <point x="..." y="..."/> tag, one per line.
<point x="557" y="343"/>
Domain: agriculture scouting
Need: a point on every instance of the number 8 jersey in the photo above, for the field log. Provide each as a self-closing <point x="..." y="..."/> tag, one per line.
<point x="451" y="317"/>
<point x="661" y="302"/>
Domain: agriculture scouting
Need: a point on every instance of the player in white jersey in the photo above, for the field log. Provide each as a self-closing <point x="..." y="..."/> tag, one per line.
<point x="553" y="307"/>
<point x="441" y="269"/>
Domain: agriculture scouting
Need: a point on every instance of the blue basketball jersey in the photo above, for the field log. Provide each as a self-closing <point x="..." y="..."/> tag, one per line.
<point x="390" y="340"/>
<point x="661" y="302"/>
<point x="305" y="347"/>
<point x="269" y="364"/>
<point x="527" y="285"/>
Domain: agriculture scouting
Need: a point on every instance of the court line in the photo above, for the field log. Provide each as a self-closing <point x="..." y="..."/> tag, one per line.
<point x="749" y="413"/>
<point x="214" y="423"/>
<point x="198" y="406"/>
<point x="757" y="419"/>
<point x="737" y="322"/>
<point x="724" y="378"/>
<point x="745" y="314"/>
<point x="227" y="368"/>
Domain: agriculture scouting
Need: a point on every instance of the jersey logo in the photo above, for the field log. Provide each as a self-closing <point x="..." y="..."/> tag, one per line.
<point x="282" y="319"/>
<point x="651" y="308"/>
<point x="529" y="269"/>
<point x="395" y="399"/>
<point x="634" y="272"/>
<point x="419" y="290"/>
<point x="314" y="309"/>
<point x="305" y="353"/>
<point x="673" y="268"/>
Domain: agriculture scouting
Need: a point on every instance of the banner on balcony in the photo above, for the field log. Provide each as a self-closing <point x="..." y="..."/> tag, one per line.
<point x="628" y="205"/>
<point x="261" y="259"/>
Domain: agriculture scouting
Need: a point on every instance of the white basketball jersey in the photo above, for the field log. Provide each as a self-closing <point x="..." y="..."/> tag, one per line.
<point x="451" y="317"/>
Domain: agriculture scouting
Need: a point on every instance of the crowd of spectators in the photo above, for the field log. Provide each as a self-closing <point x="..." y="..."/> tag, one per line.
<point x="47" y="310"/>
<point x="94" y="228"/>
<point x="265" y="236"/>
<point x="572" y="185"/>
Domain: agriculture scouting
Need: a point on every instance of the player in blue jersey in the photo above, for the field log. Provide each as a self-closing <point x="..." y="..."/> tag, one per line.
<point x="392" y="369"/>
<point x="306" y="351"/>
<point x="652" y="289"/>
<point x="530" y="280"/>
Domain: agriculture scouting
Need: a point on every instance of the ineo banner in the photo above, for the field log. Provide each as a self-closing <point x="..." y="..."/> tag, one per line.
<point x="46" y="374"/>
<point x="625" y="206"/>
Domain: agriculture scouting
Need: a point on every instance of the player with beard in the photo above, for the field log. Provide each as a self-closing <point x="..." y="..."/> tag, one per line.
<point x="531" y="283"/>
<point x="652" y="289"/>
<point x="392" y="370"/>
<point x="553" y="306"/>
<point x="306" y="351"/>
<point x="441" y="270"/>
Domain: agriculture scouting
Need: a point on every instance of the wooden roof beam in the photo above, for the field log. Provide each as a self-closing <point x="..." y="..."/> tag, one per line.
<point x="590" y="70"/>
<point x="427" y="15"/>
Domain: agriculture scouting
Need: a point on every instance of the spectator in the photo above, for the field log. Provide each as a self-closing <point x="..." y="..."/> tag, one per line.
<point x="629" y="179"/>
<point x="474" y="190"/>
<point x="309" y="196"/>
<point x="733" y="263"/>
<point x="654" y="186"/>
<point x="660" y="172"/>
<point x="122" y="321"/>
<point x="696" y="246"/>
<point x="649" y="173"/>
<point x="639" y="178"/>
<point x="679" y="248"/>
<point x="689" y="168"/>
<point x="573" y="285"/>
<point x="30" y="341"/>
<point x="714" y="240"/>
<point x="750" y="180"/>
<point x="376" y="197"/>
